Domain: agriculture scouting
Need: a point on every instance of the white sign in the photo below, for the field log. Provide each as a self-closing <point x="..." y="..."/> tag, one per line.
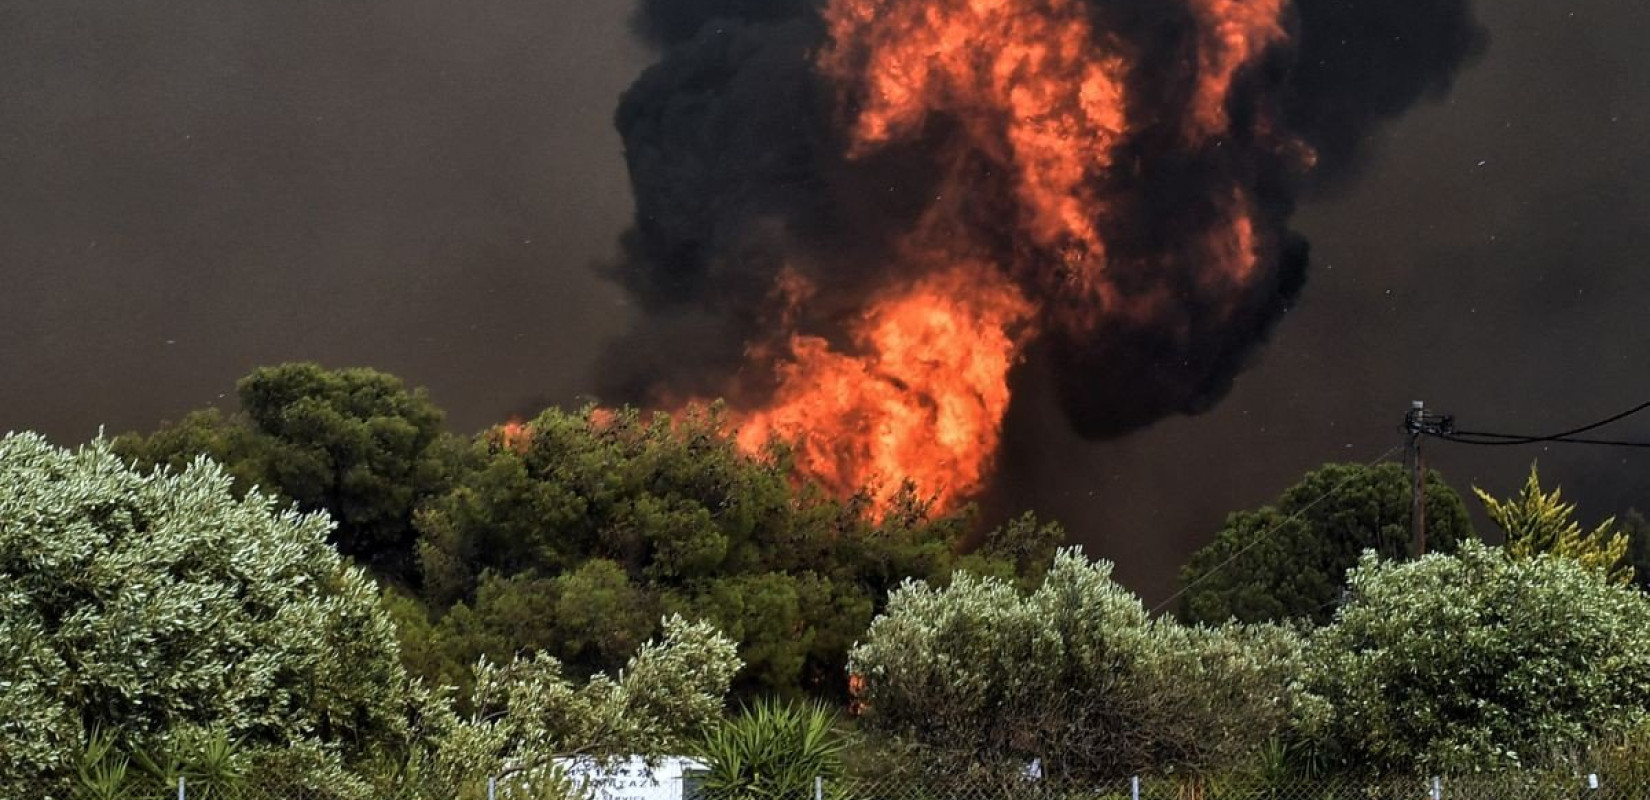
<point x="631" y="778"/>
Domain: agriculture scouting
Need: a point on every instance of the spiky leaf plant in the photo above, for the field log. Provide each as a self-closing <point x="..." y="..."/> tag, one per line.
<point x="772" y="750"/>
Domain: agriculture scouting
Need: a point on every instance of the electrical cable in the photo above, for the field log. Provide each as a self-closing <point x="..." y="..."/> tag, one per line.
<point x="1516" y="439"/>
<point x="1509" y="439"/>
<point x="1274" y="529"/>
<point x="1458" y="437"/>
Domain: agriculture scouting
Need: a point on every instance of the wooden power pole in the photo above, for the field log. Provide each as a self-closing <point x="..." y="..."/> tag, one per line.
<point x="1419" y="423"/>
<point x="1413" y="427"/>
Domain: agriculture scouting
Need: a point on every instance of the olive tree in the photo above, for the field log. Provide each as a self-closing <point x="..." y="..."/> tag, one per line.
<point x="1075" y="673"/>
<point x="1478" y="660"/>
<point x="138" y="609"/>
<point x="528" y="712"/>
<point x="143" y="603"/>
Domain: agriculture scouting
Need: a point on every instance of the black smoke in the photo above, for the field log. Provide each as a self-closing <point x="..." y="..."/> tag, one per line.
<point x="734" y="145"/>
<point x="1358" y="64"/>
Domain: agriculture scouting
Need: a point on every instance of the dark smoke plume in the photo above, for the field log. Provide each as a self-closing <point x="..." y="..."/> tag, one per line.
<point x="737" y="160"/>
<point x="1358" y="64"/>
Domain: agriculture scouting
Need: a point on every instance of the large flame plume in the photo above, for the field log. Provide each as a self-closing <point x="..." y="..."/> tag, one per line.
<point x="920" y="395"/>
<point x="921" y="392"/>
<point x="857" y="218"/>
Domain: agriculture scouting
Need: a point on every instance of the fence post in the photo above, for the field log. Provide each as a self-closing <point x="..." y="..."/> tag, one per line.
<point x="180" y="788"/>
<point x="819" y="787"/>
<point x="1437" y="788"/>
<point x="1134" y="787"/>
<point x="492" y="787"/>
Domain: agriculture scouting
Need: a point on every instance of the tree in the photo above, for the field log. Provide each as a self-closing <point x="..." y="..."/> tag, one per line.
<point x="1537" y="522"/>
<point x="569" y="536"/>
<point x="243" y="452"/>
<point x="1637" y="529"/>
<point x="1075" y="674"/>
<point x="1289" y="560"/>
<point x="526" y="713"/>
<point x="150" y="603"/>
<point x="591" y="619"/>
<point x="353" y="442"/>
<point x="1478" y="660"/>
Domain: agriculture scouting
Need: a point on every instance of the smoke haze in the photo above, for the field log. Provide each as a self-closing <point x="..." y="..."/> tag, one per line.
<point x="191" y="189"/>
<point x="1126" y="172"/>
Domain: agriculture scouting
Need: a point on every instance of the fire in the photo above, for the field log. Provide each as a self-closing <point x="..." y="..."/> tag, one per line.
<point x="856" y="696"/>
<point x="1235" y="33"/>
<point x="1026" y="80"/>
<point x="920" y="398"/>
<point x="1037" y="99"/>
<point x="512" y="435"/>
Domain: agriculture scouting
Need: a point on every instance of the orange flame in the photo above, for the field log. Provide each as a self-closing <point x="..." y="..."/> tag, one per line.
<point x="857" y="704"/>
<point x="1025" y="79"/>
<point x="920" y="389"/>
<point x="512" y="435"/>
<point x="922" y="400"/>
<point x="1235" y="33"/>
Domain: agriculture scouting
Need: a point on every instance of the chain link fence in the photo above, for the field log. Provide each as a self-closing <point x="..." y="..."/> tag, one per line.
<point x="1499" y="787"/>
<point x="1513" y="786"/>
<point x="183" y="788"/>
<point x="255" y="786"/>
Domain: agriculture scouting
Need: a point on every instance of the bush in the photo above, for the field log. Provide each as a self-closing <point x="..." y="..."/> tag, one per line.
<point x="1478" y="661"/>
<point x="772" y="750"/>
<point x="147" y="605"/>
<point x="1075" y="674"/>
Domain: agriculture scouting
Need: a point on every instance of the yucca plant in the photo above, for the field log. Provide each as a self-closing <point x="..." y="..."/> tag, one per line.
<point x="771" y="750"/>
<point x="207" y="758"/>
<point x="110" y="769"/>
<point x="102" y="770"/>
<point x="215" y="761"/>
<point x="160" y="768"/>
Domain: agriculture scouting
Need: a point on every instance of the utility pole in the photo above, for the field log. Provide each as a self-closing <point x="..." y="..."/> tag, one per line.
<point x="1418" y="423"/>
<point x="1417" y="478"/>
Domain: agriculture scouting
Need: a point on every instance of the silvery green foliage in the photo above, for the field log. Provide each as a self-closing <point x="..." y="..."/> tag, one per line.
<point x="1216" y="696"/>
<point x="141" y="603"/>
<point x="528" y="712"/>
<point x="1075" y="674"/>
<point x="1479" y="661"/>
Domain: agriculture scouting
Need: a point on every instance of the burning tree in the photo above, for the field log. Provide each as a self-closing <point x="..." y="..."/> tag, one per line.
<point x="575" y="538"/>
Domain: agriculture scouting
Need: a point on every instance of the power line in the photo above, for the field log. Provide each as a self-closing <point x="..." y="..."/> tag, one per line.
<point x="1503" y="439"/>
<point x="1274" y="529"/>
<point x="1437" y="426"/>
<point x="1448" y="432"/>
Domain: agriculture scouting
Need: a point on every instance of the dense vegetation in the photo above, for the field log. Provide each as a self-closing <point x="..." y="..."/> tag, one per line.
<point x="1481" y="660"/>
<point x="1289" y="560"/>
<point x="142" y="612"/>
<point x="328" y="588"/>
<point x="354" y="443"/>
<point x="574" y="534"/>
<point x="151" y="604"/>
<point x="1074" y="673"/>
<point x="576" y="538"/>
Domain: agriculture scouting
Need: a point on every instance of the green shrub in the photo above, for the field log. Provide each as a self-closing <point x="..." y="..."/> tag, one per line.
<point x="212" y="764"/>
<point x="772" y="750"/>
